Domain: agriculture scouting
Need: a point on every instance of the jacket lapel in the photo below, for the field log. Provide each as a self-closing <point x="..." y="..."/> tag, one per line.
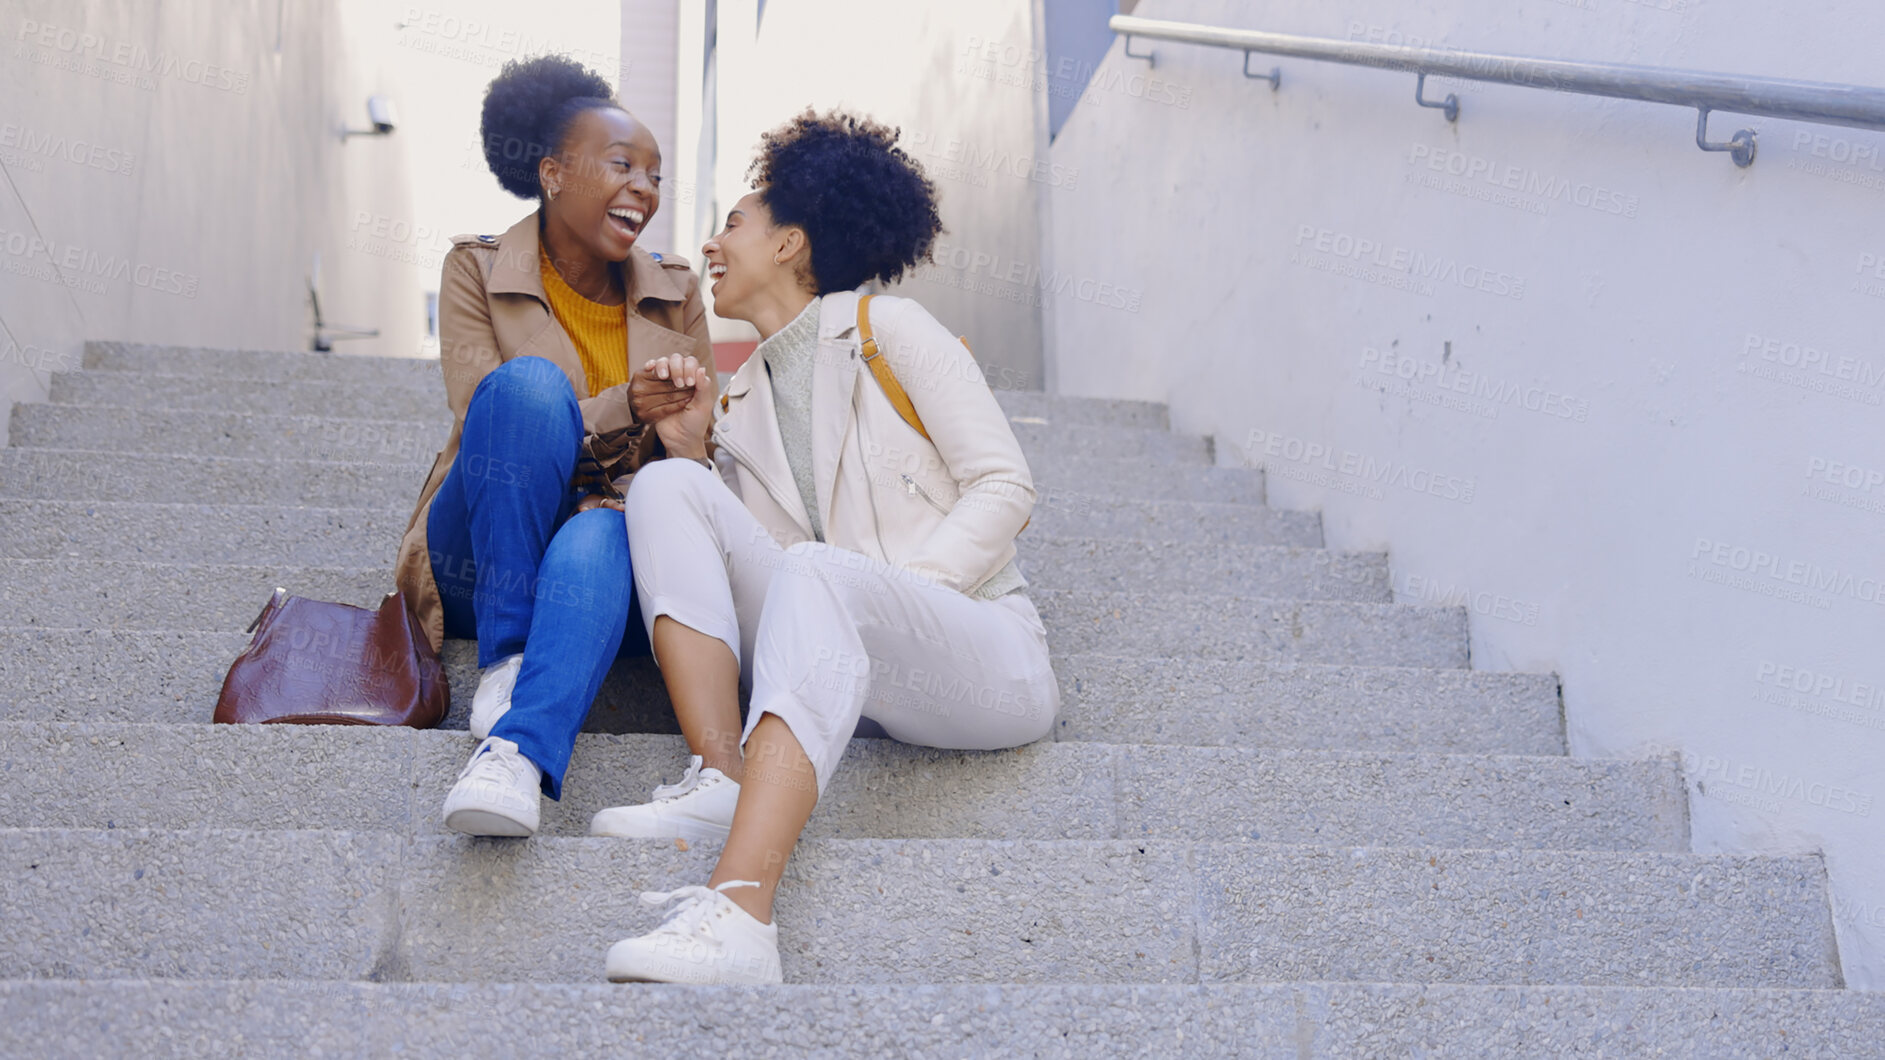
<point x="515" y="275"/>
<point x="834" y="380"/>
<point x="751" y="427"/>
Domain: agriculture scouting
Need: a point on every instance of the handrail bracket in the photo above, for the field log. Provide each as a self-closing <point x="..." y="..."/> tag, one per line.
<point x="1274" y="77"/>
<point x="1740" y="147"/>
<point x="1451" y="104"/>
<point x="1151" y="58"/>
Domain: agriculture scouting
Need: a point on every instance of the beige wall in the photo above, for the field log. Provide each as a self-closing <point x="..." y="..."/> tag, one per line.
<point x="171" y="171"/>
<point x="954" y="75"/>
<point x="650" y="29"/>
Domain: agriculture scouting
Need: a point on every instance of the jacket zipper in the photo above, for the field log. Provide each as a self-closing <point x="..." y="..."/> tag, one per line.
<point x="764" y="482"/>
<point x="857" y="438"/>
<point x="911" y="487"/>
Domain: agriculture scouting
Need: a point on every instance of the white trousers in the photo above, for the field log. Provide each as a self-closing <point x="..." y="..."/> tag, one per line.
<point x="825" y="635"/>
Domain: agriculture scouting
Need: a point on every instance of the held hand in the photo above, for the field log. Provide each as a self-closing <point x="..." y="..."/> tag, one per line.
<point x="591" y="501"/>
<point x="684" y="430"/>
<point x="662" y="388"/>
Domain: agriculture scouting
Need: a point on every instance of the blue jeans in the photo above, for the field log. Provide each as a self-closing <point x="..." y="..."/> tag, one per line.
<point x="517" y="571"/>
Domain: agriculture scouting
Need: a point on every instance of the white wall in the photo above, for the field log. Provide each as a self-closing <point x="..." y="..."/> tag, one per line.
<point x="948" y="72"/>
<point x="650" y="50"/>
<point x="172" y="171"/>
<point x="440" y="58"/>
<point x="1680" y="362"/>
<point x="220" y="195"/>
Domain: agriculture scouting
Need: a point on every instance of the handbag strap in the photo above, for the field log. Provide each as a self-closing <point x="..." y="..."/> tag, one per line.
<point x="881" y="369"/>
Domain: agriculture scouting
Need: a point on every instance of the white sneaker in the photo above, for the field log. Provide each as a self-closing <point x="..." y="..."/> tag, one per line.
<point x="706" y="940"/>
<point x="498" y="793"/>
<point x="493" y="698"/>
<point x="699" y="807"/>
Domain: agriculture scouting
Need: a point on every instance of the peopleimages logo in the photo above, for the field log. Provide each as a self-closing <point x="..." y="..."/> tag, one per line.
<point x="1451" y="377"/>
<point x="129" y="56"/>
<point x="1840" y="473"/>
<point x="1763" y="568"/>
<point x="89" y="270"/>
<point x="1810" y="359"/>
<point x="972" y="156"/>
<point x="1824" y="685"/>
<point x="35" y="144"/>
<point x="1416" y="265"/>
<point x="1770" y="787"/>
<point x="1524" y="181"/>
<point x="1315" y="456"/>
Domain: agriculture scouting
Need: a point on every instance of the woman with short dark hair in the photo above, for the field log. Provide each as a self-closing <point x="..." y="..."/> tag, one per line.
<point x="844" y="542"/>
<point x="537" y="329"/>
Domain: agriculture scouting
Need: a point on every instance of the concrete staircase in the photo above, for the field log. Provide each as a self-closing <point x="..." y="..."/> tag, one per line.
<point x="1279" y="815"/>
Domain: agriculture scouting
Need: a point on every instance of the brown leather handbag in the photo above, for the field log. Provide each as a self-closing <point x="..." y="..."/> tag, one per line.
<point x="311" y="662"/>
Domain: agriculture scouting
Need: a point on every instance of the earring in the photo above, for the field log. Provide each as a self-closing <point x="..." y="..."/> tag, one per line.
<point x="551" y="192"/>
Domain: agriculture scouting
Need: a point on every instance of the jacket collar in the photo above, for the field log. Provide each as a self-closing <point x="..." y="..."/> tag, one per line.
<point x="517" y="268"/>
<point x="754" y="422"/>
<point x="837" y="314"/>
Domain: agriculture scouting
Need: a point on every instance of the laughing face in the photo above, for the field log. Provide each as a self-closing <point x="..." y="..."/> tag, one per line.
<point x="607" y="180"/>
<point x="748" y="256"/>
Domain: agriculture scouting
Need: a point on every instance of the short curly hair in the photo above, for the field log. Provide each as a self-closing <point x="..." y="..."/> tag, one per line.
<point x="527" y="111"/>
<point x="864" y="203"/>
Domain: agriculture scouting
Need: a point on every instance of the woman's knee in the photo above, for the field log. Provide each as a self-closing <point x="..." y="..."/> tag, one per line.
<point x="663" y="488"/>
<point x="596" y="538"/>
<point x="591" y="549"/>
<point x="531" y="388"/>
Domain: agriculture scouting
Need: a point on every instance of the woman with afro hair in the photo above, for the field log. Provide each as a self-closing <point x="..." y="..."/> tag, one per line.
<point x="842" y="556"/>
<point x="537" y="329"/>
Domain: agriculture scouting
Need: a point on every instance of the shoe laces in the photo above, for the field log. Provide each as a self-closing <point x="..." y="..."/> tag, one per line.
<point x="695" y="914"/>
<point x="499" y="756"/>
<point x="688" y="782"/>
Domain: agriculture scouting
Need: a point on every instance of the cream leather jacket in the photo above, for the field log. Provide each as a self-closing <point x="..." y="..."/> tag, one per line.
<point x="947" y="509"/>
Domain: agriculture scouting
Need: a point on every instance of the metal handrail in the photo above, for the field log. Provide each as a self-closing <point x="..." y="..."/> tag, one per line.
<point x="1858" y="106"/>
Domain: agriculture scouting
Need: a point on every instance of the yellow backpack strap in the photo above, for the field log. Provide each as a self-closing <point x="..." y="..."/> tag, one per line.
<point x="888" y="379"/>
<point x="881" y="369"/>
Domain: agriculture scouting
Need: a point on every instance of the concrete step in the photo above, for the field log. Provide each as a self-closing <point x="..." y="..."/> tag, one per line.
<point x="215" y="431"/>
<point x="417" y="397"/>
<point x="1219" y="549"/>
<point x="271" y="777"/>
<point x="171" y="677"/>
<point x="1174" y="625"/>
<point x="197" y="1018"/>
<point x="1215" y="702"/>
<point x="117" y="595"/>
<point x="87" y="594"/>
<point x="1205" y="567"/>
<point x="141" y="904"/>
<point x="423" y="374"/>
<point x="1073" y="488"/>
<point x="275" y="366"/>
<point x="405" y="394"/>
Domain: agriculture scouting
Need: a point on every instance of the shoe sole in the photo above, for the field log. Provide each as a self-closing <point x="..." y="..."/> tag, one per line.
<point x="616" y="978"/>
<point x="693" y="833"/>
<point x="486" y="823"/>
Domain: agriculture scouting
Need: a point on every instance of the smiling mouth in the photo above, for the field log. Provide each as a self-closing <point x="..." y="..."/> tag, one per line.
<point x="716" y="271"/>
<point x="627" y="221"/>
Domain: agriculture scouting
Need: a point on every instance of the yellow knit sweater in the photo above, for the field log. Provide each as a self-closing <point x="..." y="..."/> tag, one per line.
<point x="599" y="331"/>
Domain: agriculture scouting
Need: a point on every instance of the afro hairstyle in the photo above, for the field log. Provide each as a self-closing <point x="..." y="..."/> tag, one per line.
<point x="527" y="112"/>
<point x="865" y="205"/>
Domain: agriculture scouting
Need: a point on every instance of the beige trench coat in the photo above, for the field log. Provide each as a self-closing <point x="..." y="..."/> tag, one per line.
<point x="492" y="308"/>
